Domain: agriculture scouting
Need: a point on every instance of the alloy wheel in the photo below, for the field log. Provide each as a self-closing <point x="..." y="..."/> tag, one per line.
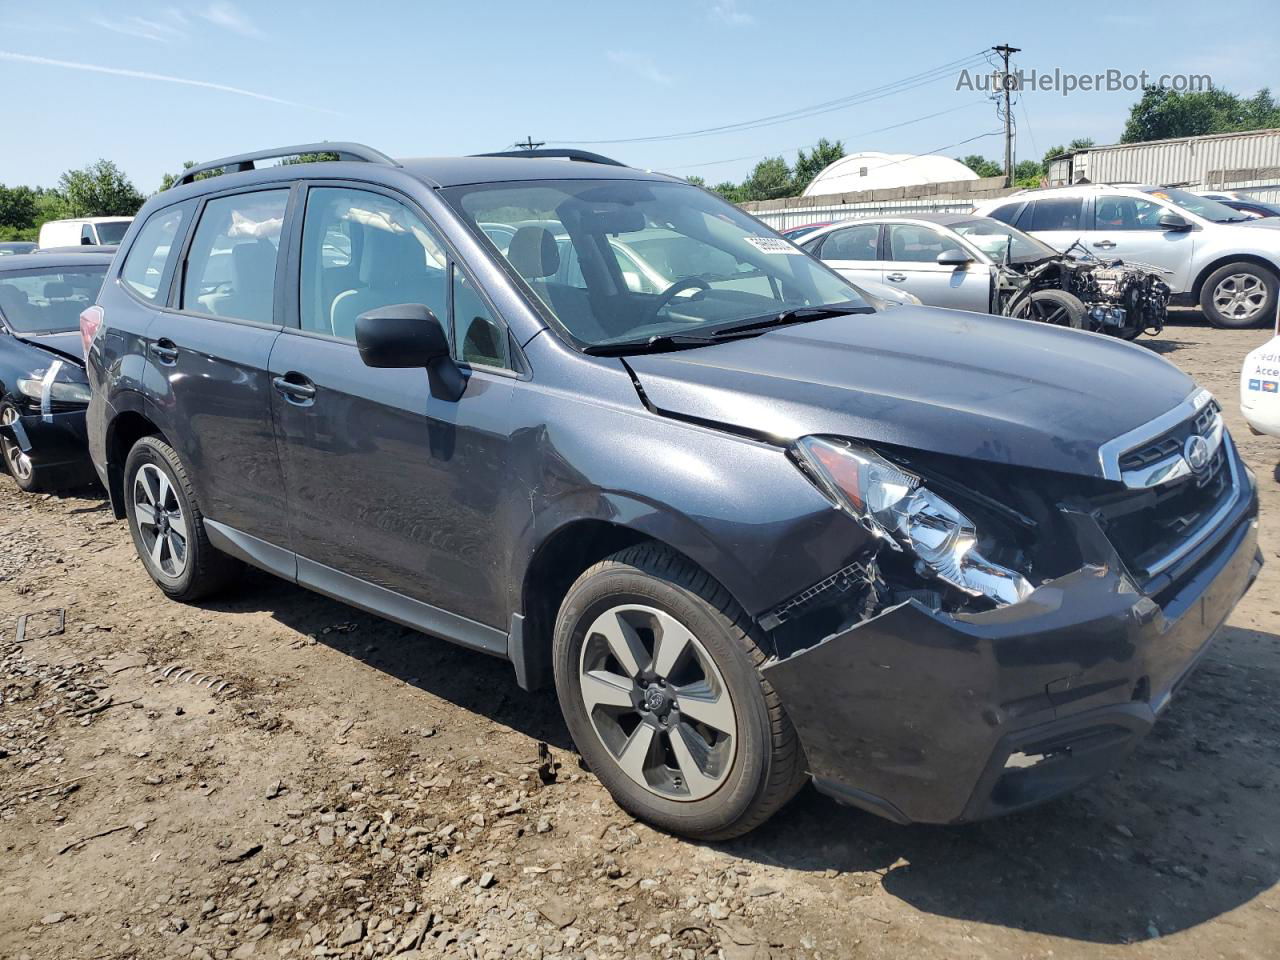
<point x="160" y="520"/>
<point x="658" y="702"/>
<point x="18" y="462"/>
<point x="1240" y="296"/>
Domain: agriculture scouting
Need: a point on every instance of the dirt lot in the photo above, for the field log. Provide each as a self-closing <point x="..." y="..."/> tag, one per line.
<point x="276" y="774"/>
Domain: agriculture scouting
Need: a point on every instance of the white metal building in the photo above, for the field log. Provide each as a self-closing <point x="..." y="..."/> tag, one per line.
<point x="879" y="171"/>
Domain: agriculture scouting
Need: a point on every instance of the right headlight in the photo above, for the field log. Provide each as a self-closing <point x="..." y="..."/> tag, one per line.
<point x="894" y="504"/>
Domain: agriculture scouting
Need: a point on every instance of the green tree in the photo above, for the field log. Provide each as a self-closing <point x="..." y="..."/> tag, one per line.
<point x="729" y="190"/>
<point x="1079" y="143"/>
<point x="17" y="206"/>
<point x="99" y="190"/>
<point x="982" y="166"/>
<point x="810" y="164"/>
<point x="1028" y="173"/>
<point x="697" y="181"/>
<point x="1162" y="113"/>
<point x="770" y="179"/>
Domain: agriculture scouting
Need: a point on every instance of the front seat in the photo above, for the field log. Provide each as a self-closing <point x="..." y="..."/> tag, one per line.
<point x="396" y="271"/>
<point x="534" y="253"/>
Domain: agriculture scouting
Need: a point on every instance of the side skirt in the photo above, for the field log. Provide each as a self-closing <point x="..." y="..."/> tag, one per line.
<point x="359" y="593"/>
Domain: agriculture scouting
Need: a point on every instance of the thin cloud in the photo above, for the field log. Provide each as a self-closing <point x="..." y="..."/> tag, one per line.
<point x="727" y="11"/>
<point x="168" y="26"/>
<point x="229" y="17"/>
<point x="157" y="77"/>
<point x="641" y="66"/>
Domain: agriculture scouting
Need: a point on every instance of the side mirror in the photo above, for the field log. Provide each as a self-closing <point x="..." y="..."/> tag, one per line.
<point x="954" y="257"/>
<point x="1174" y="222"/>
<point x="406" y="335"/>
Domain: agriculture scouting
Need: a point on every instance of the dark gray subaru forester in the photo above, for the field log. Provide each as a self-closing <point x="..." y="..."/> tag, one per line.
<point x="605" y="425"/>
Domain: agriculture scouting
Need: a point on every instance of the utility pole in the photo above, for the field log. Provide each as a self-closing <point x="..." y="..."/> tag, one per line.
<point x="530" y="144"/>
<point x="1006" y="83"/>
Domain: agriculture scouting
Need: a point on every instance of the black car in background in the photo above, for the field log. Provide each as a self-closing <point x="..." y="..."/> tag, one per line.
<point x="43" y="390"/>
<point x="945" y="564"/>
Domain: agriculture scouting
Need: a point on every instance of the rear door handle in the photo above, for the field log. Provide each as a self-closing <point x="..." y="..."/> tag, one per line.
<point x="165" y="351"/>
<point x="1104" y="244"/>
<point x="895" y="277"/>
<point x="295" y="388"/>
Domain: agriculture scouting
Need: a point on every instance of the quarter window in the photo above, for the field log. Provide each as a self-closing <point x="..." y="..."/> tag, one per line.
<point x="1127" y="213"/>
<point x="231" y="267"/>
<point x="361" y="251"/>
<point x="145" y="263"/>
<point x="477" y="336"/>
<point x="853" y="243"/>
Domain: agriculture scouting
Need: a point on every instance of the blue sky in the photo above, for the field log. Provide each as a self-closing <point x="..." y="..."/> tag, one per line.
<point x="90" y="79"/>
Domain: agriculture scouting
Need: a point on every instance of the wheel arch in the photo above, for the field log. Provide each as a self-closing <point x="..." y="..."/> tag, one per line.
<point x="126" y="428"/>
<point x="1219" y="262"/>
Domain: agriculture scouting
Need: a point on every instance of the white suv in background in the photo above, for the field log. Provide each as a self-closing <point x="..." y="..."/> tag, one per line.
<point x="1212" y="255"/>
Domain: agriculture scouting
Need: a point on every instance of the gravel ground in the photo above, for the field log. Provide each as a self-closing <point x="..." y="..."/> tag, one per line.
<point x="276" y="774"/>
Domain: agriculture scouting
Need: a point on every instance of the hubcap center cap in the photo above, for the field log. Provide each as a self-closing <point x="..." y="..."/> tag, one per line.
<point x="656" y="699"/>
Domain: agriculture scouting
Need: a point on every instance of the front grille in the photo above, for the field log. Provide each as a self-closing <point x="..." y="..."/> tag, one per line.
<point x="1147" y="527"/>
<point x="1171" y="441"/>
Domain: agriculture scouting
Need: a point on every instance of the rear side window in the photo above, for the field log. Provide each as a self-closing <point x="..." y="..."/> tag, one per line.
<point x="1058" y="213"/>
<point x="853" y="243"/>
<point x="231" y="267"/>
<point x="144" y="265"/>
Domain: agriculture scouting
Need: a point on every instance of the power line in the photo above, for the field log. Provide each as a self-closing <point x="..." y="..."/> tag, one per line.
<point x="853" y="99"/>
<point x="808" y="146"/>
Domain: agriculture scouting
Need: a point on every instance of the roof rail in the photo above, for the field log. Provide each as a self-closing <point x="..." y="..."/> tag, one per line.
<point x="245" y="161"/>
<point x="583" y="156"/>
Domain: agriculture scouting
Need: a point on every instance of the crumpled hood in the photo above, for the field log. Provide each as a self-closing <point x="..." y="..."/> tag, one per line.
<point x="946" y="381"/>
<point x="67" y="344"/>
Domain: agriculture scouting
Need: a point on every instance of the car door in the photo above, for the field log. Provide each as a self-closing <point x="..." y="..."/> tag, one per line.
<point x="911" y="263"/>
<point x="1128" y="228"/>
<point x="852" y="251"/>
<point x="207" y="359"/>
<point x="389" y="485"/>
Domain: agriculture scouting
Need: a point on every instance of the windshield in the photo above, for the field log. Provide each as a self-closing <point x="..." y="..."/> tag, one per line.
<point x="993" y="237"/>
<point x="48" y="301"/>
<point x="617" y="261"/>
<point x="112" y="232"/>
<point x="1200" y="206"/>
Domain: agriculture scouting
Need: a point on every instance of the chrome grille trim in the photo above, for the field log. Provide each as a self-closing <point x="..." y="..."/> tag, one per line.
<point x="1110" y="452"/>
<point x="1211" y="524"/>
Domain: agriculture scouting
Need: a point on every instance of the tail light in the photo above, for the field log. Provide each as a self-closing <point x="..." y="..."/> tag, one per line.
<point x="90" y="324"/>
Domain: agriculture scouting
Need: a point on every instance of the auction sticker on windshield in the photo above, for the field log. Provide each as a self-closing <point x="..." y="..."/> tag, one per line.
<point x="774" y="245"/>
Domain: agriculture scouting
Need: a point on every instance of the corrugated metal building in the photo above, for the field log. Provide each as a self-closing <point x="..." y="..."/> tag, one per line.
<point x="1220" y="160"/>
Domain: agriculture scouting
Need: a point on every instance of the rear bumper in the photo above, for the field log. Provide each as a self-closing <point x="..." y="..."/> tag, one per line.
<point x="924" y="717"/>
<point x="56" y="443"/>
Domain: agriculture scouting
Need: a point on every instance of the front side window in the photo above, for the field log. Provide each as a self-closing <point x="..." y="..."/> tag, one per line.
<point x="1126" y="213"/>
<point x="48" y="301"/>
<point x="853" y="243"/>
<point x="231" y="266"/>
<point x="995" y="239"/>
<point x="146" y="260"/>
<point x="912" y="244"/>
<point x="361" y="251"/>
<point x="617" y="261"/>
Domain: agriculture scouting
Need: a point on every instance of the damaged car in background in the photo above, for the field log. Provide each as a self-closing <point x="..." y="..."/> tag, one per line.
<point x="43" y="390"/>
<point x="968" y="262"/>
<point x="753" y="529"/>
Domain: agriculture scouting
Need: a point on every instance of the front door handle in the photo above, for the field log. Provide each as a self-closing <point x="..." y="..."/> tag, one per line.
<point x="1105" y="244"/>
<point x="295" y="388"/>
<point x="895" y="277"/>
<point x="166" y="351"/>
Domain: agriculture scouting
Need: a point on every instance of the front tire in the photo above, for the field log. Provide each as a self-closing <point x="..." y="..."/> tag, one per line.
<point x="15" y="461"/>
<point x="657" y="671"/>
<point x="1238" y="296"/>
<point x="168" y="527"/>
<point x="1055" y="307"/>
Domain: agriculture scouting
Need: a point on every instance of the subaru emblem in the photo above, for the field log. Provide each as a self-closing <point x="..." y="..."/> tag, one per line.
<point x="1196" y="452"/>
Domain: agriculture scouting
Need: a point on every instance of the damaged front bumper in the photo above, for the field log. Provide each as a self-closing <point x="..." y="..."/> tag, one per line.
<point x="923" y="716"/>
<point x="56" y="443"/>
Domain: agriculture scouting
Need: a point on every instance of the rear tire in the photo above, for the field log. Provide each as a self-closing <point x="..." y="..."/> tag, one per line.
<point x="1238" y="296"/>
<point x="692" y="776"/>
<point x="168" y="527"/>
<point x="1055" y="307"/>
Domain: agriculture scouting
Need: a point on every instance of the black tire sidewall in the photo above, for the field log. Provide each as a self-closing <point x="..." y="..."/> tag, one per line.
<point x="1074" y="306"/>
<point x="30" y="485"/>
<point x="1268" y="280"/>
<point x="150" y="450"/>
<point x="622" y="584"/>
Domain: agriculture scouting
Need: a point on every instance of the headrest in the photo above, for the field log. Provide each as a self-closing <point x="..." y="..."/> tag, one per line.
<point x="534" y="253"/>
<point x="253" y="264"/>
<point x="393" y="258"/>
<point x="58" y="290"/>
<point x="12" y="298"/>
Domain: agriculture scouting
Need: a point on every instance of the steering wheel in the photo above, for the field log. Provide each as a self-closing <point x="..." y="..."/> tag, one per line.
<point x="667" y="295"/>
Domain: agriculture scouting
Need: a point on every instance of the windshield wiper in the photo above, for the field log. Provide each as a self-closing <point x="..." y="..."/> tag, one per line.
<point x="655" y="344"/>
<point x="794" y="315"/>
